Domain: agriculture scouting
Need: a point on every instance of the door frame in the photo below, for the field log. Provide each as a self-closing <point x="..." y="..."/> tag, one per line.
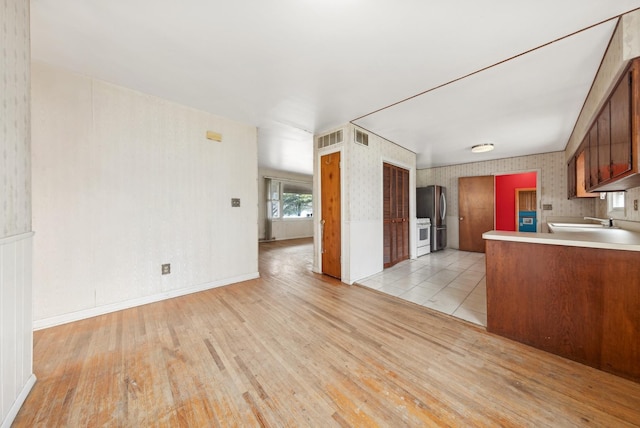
<point x="537" y="189"/>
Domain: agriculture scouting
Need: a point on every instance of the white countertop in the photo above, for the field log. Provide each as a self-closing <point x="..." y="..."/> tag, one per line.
<point x="613" y="239"/>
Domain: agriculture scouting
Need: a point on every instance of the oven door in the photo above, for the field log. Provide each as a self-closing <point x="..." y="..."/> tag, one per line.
<point x="424" y="239"/>
<point x="423" y="235"/>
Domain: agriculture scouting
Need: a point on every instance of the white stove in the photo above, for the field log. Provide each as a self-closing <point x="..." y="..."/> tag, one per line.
<point x="423" y="237"/>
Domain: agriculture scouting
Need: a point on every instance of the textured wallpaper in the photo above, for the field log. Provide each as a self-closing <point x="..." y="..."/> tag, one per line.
<point x="553" y="176"/>
<point x="124" y="182"/>
<point x="15" y="124"/>
<point x="365" y="174"/>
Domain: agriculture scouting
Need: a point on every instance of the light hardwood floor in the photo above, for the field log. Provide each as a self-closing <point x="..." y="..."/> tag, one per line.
<point x="295" y="348"/>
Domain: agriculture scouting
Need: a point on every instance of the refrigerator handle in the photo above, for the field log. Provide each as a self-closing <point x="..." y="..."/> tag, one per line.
<point x="443" y="206"/>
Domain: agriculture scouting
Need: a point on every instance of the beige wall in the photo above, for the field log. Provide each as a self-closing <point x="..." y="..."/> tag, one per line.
<point x="16" y="344"/>
<point x="15" y="123"/>
<point x="124" y="182"/>
<point x="552" y="176"/>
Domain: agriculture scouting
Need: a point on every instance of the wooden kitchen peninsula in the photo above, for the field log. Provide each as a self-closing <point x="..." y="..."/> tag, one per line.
<point x="576" y="295"/>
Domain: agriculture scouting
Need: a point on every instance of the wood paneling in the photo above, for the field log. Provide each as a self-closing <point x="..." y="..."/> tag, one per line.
<point x="580" y="303"/>
<point x="298" y="349"/>
<point x="476" y="211"/>
<point x="16" y="350"/>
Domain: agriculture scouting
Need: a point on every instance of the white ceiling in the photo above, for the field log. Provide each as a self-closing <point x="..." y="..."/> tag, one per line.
<point x="294" y="68"/>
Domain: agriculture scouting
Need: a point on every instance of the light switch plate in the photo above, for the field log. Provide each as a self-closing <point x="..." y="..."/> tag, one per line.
<point x="235" y="202"/>
<point x="547" y="207"/>
<point x="635" y="205"/>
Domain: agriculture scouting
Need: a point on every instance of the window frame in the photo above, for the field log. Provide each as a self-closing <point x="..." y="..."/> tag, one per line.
<point x="280" y="183"/>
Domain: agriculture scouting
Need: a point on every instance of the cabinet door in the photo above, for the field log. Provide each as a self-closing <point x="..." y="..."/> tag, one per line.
<point x="604" y="145"/>
<point x="581" y="177"/>
<point x="620" y="105"/>
<point x="571" y="178"/>
<point x="594" y="165"/>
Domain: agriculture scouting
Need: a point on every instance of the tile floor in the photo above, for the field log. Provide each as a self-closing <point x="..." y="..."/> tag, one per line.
<point x="448" y="281"/>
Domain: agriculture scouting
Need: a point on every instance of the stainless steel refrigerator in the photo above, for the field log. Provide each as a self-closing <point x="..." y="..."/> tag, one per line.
<point x="431" y="202"/>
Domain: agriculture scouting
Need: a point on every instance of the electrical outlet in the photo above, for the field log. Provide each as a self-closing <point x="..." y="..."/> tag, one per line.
<point x="235" y="202"/>
<point x="635" y="205"/>
<point x="166" y="268"/>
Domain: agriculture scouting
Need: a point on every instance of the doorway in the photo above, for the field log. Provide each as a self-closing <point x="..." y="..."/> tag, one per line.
<point x="330" y="220"/>
<point x="516" y="193"/>
<point x="476" y="211"/>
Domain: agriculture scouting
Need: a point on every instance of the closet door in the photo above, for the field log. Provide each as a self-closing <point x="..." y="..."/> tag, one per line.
<point x="396" y="214"/>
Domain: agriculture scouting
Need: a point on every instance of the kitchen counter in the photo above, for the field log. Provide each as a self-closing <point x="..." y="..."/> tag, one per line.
<point x="574" y="294"/>
<point x="605" y="238"/>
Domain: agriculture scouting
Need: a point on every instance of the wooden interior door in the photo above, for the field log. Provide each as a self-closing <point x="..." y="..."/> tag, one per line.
<point x="395" y="214"/>
<point x="330" y="214"/>
<point x="475" y="211"/>
<point x="526" y="200"/>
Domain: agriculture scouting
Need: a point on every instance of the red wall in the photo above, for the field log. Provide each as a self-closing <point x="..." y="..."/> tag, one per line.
<point x="506" y="186"/>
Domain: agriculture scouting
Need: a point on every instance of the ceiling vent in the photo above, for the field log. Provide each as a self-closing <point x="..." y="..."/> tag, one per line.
<point x="330" y="139"/>
<point x="361" y="137"/>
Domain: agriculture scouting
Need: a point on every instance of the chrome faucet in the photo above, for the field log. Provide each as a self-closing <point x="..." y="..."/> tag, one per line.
<point x="606" y="222"/>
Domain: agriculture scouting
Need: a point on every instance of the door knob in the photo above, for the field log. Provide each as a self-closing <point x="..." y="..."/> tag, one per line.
<point x="461" y="218"/>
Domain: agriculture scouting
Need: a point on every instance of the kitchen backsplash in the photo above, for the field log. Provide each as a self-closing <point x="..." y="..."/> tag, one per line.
<point x="630" y="214"/>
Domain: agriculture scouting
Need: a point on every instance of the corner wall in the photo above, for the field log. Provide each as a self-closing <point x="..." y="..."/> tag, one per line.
<point x="362" y="202"/>
<point x="16" y="338"/>
<point x="124" y="182"/>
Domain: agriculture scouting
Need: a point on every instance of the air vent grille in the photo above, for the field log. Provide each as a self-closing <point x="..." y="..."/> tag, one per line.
<point x="330" y="139"/>
<point x="361" y="137"/>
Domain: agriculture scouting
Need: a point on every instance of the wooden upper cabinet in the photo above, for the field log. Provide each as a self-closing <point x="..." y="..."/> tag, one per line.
<point x="611" y="145"/>
<point x="603" y="143"/>
<point x="594" y="165"/>
<point x="572" y="174"/>
<point x="621" y="125"/>
<point x="580" y="178"/>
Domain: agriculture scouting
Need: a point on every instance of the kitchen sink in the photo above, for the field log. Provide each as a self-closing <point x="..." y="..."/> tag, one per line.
<point x="577" y="227"/>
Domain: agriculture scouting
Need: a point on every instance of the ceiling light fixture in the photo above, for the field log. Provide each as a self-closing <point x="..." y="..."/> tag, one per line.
<point x="482" y="148"/>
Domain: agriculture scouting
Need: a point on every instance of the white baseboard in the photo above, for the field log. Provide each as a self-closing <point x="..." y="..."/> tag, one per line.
<point x="292" y="237"/>
<point x="13" y="412"/>
<point x="113" y="307"/>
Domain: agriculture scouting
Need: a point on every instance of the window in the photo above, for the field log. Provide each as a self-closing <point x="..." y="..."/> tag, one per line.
<point x="289" y="199"/>
<point x="274" y="199"/>
<point x="615" y="203"/>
